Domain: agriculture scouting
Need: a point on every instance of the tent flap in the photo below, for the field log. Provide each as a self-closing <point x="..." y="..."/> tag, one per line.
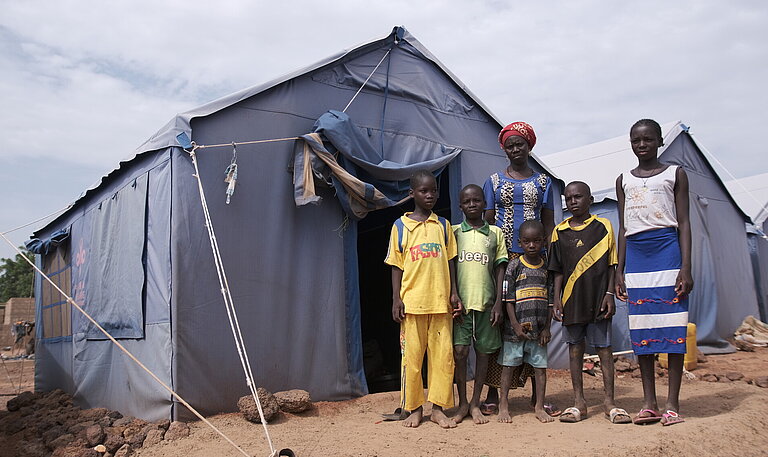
<point x="359" y="158"/>
<point x="115" y="279"/>
<point x="46" y="245"/>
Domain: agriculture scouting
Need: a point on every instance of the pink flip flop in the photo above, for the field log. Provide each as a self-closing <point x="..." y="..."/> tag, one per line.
<point x="652" y="418"/>
<point x="671" y="418"/>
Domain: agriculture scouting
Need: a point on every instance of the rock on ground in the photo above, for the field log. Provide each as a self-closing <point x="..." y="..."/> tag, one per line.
<point x="269" y="405"/>
<point x="154" y="437"/>
<point x="176" y="430"/>
<point x="21" y="400"/>
<point x="124" y="451"/>
<point x="734" y="376"/>
<point x="293" y="401"/>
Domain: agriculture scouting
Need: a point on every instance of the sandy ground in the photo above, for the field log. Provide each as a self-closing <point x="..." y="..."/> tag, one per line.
<point x="722" y="419"/>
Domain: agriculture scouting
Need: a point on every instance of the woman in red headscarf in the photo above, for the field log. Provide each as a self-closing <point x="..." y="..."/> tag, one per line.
<point x="518" y="193"/>
<point x="513" y="196"/>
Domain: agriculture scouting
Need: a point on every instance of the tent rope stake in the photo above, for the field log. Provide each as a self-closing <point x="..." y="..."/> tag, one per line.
<point x="228" y="301"/>
<point x="72" y="302"/>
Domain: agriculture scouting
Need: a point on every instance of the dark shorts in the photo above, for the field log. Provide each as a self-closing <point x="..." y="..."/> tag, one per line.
<point x="598" y="333"/>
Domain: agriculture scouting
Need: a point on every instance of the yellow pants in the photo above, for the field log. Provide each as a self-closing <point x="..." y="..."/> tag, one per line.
<point x="431" y="333"/>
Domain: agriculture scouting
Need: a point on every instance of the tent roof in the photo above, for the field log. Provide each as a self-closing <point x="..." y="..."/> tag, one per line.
<point x="751" y="193"/>
<point x="181" y="123"/>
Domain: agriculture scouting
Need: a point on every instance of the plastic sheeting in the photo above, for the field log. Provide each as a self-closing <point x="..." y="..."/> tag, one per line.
<point x="94" y="370"/>
<point x="115" y="278"/>
<point x="293" y="271"/>
<point x="44" y="246"/>
<point x="356" y="197"/>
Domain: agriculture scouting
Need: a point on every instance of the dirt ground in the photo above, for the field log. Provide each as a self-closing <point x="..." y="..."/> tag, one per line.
<point x="722" y="418"/>
<point x="16" y="376"/>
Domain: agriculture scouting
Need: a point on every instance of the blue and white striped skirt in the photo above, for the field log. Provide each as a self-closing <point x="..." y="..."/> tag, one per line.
<point x="658" y="318"/>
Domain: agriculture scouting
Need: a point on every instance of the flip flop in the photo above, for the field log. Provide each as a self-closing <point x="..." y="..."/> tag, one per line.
<point x="489" y="408"/>
<point x="286" y="453"/>
<point x="398" y="415"/>
<point x="619" y="416"/>
<point x="552" y="410"/>
<point x="651" y="419"/>
<point x="671" y="418"/>
<point x="572" y="415"/>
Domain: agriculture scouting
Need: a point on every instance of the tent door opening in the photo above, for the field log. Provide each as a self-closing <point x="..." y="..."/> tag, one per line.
<point x="380" y="334"/>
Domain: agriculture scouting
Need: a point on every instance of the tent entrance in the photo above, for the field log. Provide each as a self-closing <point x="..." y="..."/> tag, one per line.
<point x="380" y="334"/>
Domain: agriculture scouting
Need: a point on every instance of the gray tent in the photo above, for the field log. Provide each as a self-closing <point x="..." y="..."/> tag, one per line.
<point x="309" y="283"/>
<point x="724" y="290"/>
<point x="751" y="193"/>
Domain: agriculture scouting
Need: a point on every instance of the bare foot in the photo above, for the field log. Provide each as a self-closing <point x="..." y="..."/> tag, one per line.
<point x="461" y="413"/>
<point x="504" y="416"/>
<point x="439" y="417"/>
<point x="414" y="420"/>
<point x="477" y="416"/>
<point x="542" y="416"/>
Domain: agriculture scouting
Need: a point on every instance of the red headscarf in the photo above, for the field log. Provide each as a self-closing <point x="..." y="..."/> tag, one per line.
<point x="518" y="129"/>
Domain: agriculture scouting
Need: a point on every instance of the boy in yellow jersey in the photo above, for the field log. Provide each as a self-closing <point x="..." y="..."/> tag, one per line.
<point x="583" y="258"/>
<point x="422" y="248"/>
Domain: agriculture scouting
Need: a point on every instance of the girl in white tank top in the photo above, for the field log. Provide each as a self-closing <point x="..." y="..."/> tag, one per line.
<point x="649" y="203"/>
<point x="654" y="271"/>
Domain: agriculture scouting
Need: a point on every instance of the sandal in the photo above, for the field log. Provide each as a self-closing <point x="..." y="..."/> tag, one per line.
<point x="650" y="417"/>
<point x="671" y="418"/>
<point x="489" y="408"/>
<point x="619" y="416"/>
<point x="572" y="415"/>
<point x="398" y="415"/>
<point x="552" y="410"/>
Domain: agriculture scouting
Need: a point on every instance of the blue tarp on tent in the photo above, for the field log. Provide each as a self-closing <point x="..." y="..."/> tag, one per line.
<point x="295" y="273"/>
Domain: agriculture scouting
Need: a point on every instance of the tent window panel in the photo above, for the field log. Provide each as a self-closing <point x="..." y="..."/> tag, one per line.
<point x="115" y="280"/>
<point x="56" y="313"/>
<point x="46" y="298"/>
<point x="56" y="320"/>
<point x="48" y="323"/>
<point x="66" y="313"/>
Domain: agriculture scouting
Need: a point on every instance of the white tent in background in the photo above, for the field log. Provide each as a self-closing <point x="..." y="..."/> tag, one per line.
<point x="725" y="290"/>
<point x="751" y="193"/>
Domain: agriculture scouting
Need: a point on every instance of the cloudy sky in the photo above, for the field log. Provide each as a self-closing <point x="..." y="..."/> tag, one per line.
<point x="83" y="83"/>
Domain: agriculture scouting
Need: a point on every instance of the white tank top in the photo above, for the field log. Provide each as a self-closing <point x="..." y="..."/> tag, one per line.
<point x="649" y="203"/>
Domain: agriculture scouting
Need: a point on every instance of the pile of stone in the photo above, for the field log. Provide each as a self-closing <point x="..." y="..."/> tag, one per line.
<point x="734" y="376"/>
<point x="48" y="424"/>
<point x="628" y="367"/>
<point x="290" y="401"/>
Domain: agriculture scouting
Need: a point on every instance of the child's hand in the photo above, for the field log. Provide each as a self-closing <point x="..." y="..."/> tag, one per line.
<point x="398" y="310"/>
<point x="519" y="332"/>
<point x="544" y="337"/>
<point x="621" y="288"/>
<point x="607" y="307"/>
<point x="684" y="282"/>
<point x="458" y="307"/>
<point x="557" y="311"/>
<point x="496" y="316"/>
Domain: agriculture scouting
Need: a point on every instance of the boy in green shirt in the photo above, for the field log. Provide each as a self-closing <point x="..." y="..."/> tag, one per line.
<point x="482" y="258"/>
